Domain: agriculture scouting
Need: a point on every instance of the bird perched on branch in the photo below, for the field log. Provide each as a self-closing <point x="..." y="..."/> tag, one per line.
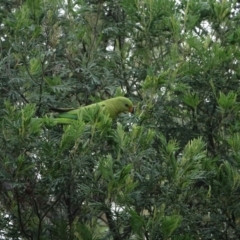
<point x="111" y="107"/>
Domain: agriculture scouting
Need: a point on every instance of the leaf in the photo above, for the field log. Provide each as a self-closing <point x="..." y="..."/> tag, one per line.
<point x="137" y="221"/>
<point x="170" y="224"/>
<point x="191" y="99"/>
<point x="72" y="134"/>
<point x="227" y="101"/>
<point x="35" y="66"/>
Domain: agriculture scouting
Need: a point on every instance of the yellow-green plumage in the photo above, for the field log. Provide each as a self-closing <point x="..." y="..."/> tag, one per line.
<point x="112" y="107"/>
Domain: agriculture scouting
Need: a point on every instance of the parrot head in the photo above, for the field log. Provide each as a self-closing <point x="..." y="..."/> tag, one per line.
<point x="128" y="105"/>
<point x="124" y="104"/>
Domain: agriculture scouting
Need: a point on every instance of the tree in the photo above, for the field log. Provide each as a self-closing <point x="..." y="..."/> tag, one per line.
<point x="171" y="171"/>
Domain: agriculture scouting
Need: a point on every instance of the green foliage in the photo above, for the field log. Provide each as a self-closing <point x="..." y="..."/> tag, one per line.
<point x="226" y="102"/>
<point x="169" y="224"/>
<point x="171" y="170"/>
<point x="191" y="99"/>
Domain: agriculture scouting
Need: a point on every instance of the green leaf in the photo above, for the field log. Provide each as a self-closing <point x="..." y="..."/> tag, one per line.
<point x="83" y="232"/>
<point x="72" y="135"/>
<point x="35" y="66"/>
<point x="170" y="224"/>
<point x="234" y="142"/>
<point x="137" y="221"/>
<point x="191" y="99"/>
<point x="227" y="101"/>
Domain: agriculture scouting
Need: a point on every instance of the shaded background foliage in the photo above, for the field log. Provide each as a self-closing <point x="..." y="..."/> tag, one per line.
<point x="169" y="171"/>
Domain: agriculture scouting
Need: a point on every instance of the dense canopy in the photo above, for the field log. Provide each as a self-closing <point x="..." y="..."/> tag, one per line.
<point x="168" y="171"/>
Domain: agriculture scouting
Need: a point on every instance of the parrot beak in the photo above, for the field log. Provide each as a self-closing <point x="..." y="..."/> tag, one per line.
<point x="131" y="110"/>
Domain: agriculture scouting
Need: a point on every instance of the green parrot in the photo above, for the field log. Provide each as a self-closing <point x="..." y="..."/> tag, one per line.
<point x="113" y="107"/>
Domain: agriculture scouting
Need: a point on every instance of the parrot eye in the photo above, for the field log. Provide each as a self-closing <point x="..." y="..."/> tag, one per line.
<point x="126" y="105"/>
